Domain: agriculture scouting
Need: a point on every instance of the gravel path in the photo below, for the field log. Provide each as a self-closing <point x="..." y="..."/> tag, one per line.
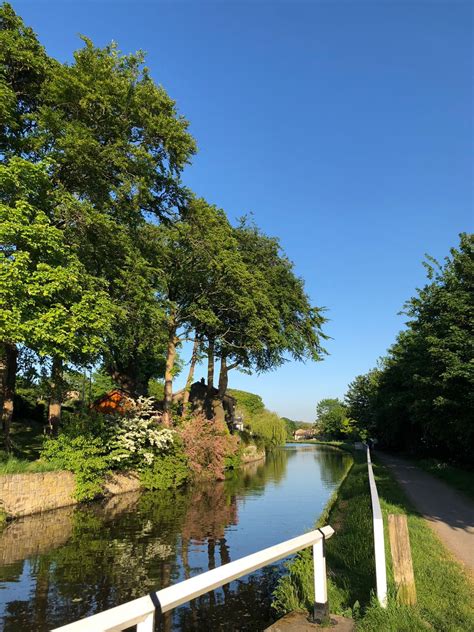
<point x="450" y="514"/>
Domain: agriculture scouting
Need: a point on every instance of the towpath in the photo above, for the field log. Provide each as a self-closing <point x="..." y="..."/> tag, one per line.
<point x="450" y="514"/>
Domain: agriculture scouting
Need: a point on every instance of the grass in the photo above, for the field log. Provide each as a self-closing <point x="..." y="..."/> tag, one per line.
<point x="27" y="439"/>
<point x="444" y="592"/>
<point x="13" y="465"/>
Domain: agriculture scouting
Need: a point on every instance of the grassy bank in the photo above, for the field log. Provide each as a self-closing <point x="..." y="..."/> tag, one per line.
<point x="444" y="592"/>
<point x="13" y="465"/>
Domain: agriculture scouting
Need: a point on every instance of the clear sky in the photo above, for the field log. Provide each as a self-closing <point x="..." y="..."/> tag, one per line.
<point x="345" y="127"/>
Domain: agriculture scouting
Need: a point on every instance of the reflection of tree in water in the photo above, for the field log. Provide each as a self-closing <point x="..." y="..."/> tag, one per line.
<point x="114" y="554"/>
<point x="254" y="477"/>
<point x="103" y="563"/>
<point x="333" y="463"/>
<point x="244" y="607"/>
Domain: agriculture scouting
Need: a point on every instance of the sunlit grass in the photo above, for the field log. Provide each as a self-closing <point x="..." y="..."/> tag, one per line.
<point x="14" y="465"/>
<point x="444" y="592"/>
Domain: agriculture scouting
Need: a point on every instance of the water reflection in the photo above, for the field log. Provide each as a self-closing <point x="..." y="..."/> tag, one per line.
<point x="66" y="564"/>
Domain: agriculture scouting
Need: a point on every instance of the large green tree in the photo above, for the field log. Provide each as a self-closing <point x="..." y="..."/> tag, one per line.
<point x="198" y="262"/>
<point x="282" y="324"/>
<point x="332" y="420"/>
<point x="361" y="400"/>
<point x="113" y="146"/>
<point x="48" y="300"/>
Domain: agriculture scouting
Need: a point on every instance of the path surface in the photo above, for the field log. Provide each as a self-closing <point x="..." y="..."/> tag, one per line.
<point x="449" y="514"/>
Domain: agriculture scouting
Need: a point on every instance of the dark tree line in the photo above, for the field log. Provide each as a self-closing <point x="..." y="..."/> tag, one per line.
<point x="420" y="398"/>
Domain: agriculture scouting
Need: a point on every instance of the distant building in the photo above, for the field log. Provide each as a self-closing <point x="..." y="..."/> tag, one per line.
<point x="303" y="434"/>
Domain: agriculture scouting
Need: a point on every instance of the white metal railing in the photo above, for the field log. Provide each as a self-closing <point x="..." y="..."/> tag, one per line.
<point x="141" y="612"/>
<point x="379" y="542"/>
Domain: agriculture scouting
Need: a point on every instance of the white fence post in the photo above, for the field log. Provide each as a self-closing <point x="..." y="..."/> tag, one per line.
<point x="148" y="624"/>
<point x="321" y="605"/>
<point x="379" y="540"/>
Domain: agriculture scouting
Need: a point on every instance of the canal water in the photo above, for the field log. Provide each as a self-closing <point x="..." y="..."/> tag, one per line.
<point x="66" y="564"/>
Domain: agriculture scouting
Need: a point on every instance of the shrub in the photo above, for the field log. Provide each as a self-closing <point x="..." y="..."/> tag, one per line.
<point x="137" y="437"/>
<point x="167" y="471"/>
<point x="207" y="444"/>
<point x="85" y="456"/>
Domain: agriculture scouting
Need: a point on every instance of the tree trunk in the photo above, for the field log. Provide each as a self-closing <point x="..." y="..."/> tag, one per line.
<point x="8" y="367"/>
<point x="189" y="381"/>
<point x="54" y="412"/>
<point x="210" y="364"/>
<point x="126" y="382"/>
<point x="223" y="377"/>
<point x="170" y="358"/>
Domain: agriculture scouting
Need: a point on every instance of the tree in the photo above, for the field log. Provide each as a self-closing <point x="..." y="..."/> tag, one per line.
<point x="112" y="145"/>
<point x="48" y="300"/>
<point x="361" y="401"/>
<point x="283" y="322"/>
<point x="332" y="420"/>
<point x="250" y="403"/>
<point x="197" y="260"/>
<point x="117" y="142"/>
<point x="115" y="137"/>
<point x="24" y="67"/>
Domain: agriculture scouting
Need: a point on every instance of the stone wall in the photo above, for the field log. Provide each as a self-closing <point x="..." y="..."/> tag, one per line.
<point x="25" y="494"/>
<point x="37" y="534"/>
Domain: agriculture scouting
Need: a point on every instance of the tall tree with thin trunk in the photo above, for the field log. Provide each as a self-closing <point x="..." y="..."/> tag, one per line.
<point x="190" y="377"/>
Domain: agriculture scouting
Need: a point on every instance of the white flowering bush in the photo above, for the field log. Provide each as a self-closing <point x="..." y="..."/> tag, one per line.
<point x="137" y="437"/>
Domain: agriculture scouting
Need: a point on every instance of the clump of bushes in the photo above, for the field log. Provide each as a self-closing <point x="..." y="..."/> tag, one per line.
<point x="208" y="444"/>
<point x="91" y="445"/>
<point x="269" y="427"/>
<point x="137" y="438"/>
<point x="85" y="456"/>
<point x="167" y="471"/>
<point x="262" y="427"/>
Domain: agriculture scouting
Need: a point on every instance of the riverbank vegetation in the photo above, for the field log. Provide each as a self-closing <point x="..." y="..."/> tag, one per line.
<point x="111" y="269"/>
<point x="264" y="426"/>
<point x="443" y="590"/>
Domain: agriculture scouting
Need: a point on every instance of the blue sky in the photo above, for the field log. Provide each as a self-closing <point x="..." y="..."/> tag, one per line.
<point x="345" y="127"/>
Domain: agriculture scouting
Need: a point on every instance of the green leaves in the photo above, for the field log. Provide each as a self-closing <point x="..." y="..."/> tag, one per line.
<point x="49" y="301"/>
<point x="421" y="399"/>
<point x="332" y="419"/>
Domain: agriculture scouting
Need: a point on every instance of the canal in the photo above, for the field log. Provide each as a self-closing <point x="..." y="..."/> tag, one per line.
<point x="66" y="564"/>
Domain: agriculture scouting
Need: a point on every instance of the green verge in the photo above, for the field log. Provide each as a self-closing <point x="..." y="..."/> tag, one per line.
<point x="14" y="465"/>
<point x="444" y="591"/>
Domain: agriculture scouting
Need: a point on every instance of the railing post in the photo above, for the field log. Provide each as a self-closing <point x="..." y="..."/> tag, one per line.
<point x="321" y="604"/>
<point x="148" y="624"/>
<point x="379" y="540"/>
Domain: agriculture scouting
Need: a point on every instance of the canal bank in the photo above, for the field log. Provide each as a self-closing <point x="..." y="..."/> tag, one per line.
<point x="443" y="589"/>
<point x="98" y="559"/>
<point x="30" y="493"/>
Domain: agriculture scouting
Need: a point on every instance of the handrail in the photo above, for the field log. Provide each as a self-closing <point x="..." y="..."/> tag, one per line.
<point x="379" y="541"/>
<point x="141" y="611"/>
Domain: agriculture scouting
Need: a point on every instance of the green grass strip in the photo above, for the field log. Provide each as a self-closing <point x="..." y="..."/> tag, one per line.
<point x="445" y="597"/>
